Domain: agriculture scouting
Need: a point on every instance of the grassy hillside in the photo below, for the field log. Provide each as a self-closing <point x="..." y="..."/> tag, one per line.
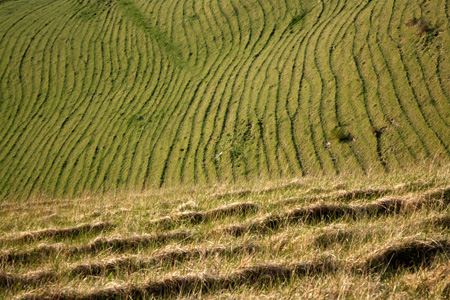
<point x="131" y="94"/>
<point x="378" y="237"/>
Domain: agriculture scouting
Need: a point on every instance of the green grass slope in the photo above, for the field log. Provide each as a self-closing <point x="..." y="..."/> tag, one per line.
<point x="131" y="94"/>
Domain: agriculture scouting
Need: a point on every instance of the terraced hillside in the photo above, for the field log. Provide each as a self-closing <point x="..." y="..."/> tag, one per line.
<point x="131" y="94"/>
<point x="341" y="238"/>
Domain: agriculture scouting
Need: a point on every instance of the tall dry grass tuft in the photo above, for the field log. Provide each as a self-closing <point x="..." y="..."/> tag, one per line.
<point x="114" y="244"/>
<point x="415" y="253"/>
<point x="241" y="208"/>
<point x="175" y="285"/>
<point x="8" y="280"/>
<point x="60" y="232"/>
<point x="168" y="257"/>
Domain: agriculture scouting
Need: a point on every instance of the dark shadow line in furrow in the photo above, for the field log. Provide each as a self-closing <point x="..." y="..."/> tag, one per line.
<point x="123" y="107"/>
<point x="152" y="96"/>
<point x="353" y="19"/>
<point x="377" y="134"/>
<point x="311" y="129"/>
<point x="290" y="118"/>
<point x="132" y="93"/>
<point x="316" y="63"/>
<point x="123" y="104"/>
<point x="154" y="90"/>
<point x="376" y="72"/>
<point x="46" y="97"/>
<point x="275" y="61"/>
<point x="13" y="50"/>
<point x="210" y="138"/>
<point x="66" y="121"/>
<point x="115" y="76"/>
<point x="177" y="107"/>
<point x="196" y="111"/>
<point x="241" y="49"/>
<point x="196" y="40"/>
<point x="278" y="143"/>
<point x="299" y="42"/>
<point x="424" y="81"/>
<point x="264" y="65"/>
<point x="183" y="162"/>
<point x="22" y="132"/>
<point x="8" y="141"/>
<point x="84" y="87"/>
<point x="42" y="152"/>
<point x="222" y="130"/>
<point x="91" y="105"/>
<point x="233" y="62"/>
<point x="397" y="96"/>
<point x="150" y="72"/>
<point x="250" y="57"/>
<point x="234" y="71"/>
<point x="407" y="74"/>
<point x="159" y="119"/>
<point x="261" y="117"/>
<point x="302" y="72"/>
<point x="114" y="145"/>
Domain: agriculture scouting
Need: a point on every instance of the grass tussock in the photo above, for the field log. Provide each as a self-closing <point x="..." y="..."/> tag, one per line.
<point x="240" y="208"/>
<point x="335" y="236"/>
<point x="440" y="221"/>
<point x="114" y="244"/>
<point x="8" y="280"/>
<point x="432" y="282"/>
<point x="409" y="254"/>
<point x="167" y="257"/>
<point x="246" y="192"/>
<point x="123" y="264"/>
<point x="60" y="232"/>
<point x="406" y="255"/>
<point x="354" y="194"/>
<point x="327" y="212"/>
<point x="176" y="285"/>
<point x="321" y="212"/>
<point x="34" y="205"/>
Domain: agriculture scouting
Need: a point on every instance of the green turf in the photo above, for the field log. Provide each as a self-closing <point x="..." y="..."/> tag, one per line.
<point x="131" y="94"/>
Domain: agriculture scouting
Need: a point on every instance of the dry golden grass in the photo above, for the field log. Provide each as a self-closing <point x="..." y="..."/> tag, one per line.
<point x="382" y="237"/>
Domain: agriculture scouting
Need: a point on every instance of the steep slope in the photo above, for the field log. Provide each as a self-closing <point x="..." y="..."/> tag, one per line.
<point x="130" y="94"/>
